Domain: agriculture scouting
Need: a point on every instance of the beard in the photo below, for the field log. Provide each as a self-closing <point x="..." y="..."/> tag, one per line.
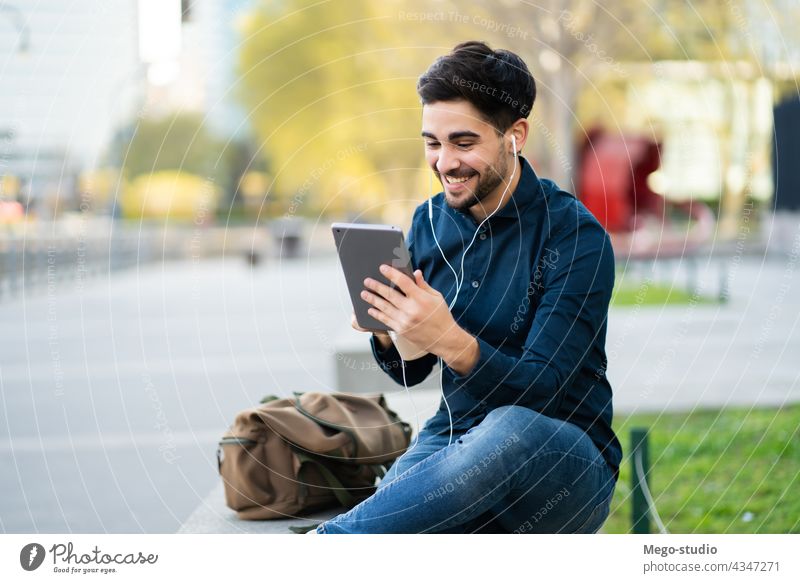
<point x="487" y="183"/>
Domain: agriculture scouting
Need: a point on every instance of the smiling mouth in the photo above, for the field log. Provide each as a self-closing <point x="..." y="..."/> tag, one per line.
<point x="457" y="180"/>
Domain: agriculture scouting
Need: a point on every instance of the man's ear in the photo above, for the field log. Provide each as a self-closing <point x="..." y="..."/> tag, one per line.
<point x="519" y="129"/>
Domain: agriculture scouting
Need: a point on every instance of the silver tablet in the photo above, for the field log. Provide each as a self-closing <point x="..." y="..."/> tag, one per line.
<point x="362" y="249"/>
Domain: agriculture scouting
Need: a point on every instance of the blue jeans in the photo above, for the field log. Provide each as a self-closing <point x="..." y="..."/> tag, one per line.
<point x="517" y="471"/>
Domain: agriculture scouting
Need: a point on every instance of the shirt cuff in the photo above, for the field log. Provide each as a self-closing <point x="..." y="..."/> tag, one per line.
<point x="486" y="373"/>
<point x="387" y="358"/>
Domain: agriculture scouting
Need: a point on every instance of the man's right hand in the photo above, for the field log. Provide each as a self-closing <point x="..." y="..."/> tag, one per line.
<point x="383" y="338"/>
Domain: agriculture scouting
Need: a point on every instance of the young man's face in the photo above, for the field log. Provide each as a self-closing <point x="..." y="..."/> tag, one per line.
<point x="466" y="153"/>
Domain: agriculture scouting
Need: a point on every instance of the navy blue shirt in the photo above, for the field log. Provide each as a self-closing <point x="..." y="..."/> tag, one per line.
<point x="536" y="289"/>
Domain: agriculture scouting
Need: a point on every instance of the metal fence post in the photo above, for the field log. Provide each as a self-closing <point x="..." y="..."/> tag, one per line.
<point x="640" y="462"/>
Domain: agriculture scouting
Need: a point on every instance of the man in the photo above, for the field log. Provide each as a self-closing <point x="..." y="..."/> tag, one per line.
<point x="522" y="346"/>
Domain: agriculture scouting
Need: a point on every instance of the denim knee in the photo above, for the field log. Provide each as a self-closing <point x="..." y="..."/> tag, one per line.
<point x="535" y="433"/>
<point x="513" y="417"/>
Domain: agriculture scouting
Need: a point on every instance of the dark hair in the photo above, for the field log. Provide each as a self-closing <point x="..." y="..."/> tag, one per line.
<point x="497" y="83"/>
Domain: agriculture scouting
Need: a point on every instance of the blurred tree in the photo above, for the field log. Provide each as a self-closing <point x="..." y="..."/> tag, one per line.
<point x="584" y="48"/>
<point x="180" y="142"/>
<point x="330" y="87"/>
<point x="184" y="143"/>
<point x="171" y="194"/>
<point x="97" y="187"/>
<point x="239" y="157"/>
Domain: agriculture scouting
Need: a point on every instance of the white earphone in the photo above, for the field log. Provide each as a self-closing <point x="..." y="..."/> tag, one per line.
<point x="407" y="348"/>
<point x="460" y="279"/>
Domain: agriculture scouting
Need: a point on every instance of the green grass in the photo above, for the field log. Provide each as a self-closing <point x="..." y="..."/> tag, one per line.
<point x="653" y="294"/>
<point x="720" y="471"/>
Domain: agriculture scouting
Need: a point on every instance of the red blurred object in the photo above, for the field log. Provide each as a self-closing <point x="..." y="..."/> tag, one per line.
<point x="613" y="185"/>
<point x="613" y="179"/>
<point x="11" y="211"/>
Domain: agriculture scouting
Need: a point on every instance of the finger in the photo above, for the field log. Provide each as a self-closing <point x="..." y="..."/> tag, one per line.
<point x="400" y="279"/>
<point x="420" y="279"/>
<point x="391" y="294"/>
<point x="381" y="317"/>
<point x="424" y="285"/>
<point x="381" y="304"/>
<point x="356" y="326"/>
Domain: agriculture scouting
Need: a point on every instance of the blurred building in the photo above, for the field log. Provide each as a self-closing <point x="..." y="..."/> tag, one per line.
<point x="205" y="73"/>
<point x="222" y="18"/>
<point x="75" y="74"/>
<point x="713" y="123"/>
<point x="70" y="73"/>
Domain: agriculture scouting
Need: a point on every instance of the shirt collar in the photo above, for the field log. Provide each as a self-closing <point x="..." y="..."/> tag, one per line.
<point x="527" y="192"/>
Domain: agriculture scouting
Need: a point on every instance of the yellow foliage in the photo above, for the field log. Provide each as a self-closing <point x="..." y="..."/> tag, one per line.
<point x="9" y="186"/>
<point x="254" y="184"/>
<point x="96" y="187"/>
<point x="330" y="88"/>
<point x="170" y="194"/>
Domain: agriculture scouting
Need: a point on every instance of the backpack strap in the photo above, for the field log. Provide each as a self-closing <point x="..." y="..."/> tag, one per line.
<point x="344" y="497"/>
<point x="304" y="529"/>
<point x="346" y="430"/>
<point x="379" y="470"/>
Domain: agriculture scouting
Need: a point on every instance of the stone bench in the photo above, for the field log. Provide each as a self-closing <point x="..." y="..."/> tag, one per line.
<point x="214" y="517"/>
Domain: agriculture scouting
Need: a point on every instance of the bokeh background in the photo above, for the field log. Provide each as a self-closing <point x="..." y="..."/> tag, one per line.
<point x="169" y="171"/>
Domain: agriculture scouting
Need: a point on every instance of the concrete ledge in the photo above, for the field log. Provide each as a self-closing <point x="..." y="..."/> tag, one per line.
<point x="214" y="517"/>
<point x="357" y="371"/>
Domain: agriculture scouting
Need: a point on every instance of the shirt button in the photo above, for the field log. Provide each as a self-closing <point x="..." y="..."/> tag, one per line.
<point x="483" y="236"/>
<point x="475" y="283"/>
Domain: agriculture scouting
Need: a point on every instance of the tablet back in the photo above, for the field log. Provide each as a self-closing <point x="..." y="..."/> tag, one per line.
<point x="362" y="249"/>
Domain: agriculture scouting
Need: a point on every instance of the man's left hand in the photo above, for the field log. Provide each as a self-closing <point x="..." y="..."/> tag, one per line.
<point x="420" y="313"/>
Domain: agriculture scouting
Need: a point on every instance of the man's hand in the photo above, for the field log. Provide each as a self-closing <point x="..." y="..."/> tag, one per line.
<point x="383" y="338"/>
<point x="421" y="315"/>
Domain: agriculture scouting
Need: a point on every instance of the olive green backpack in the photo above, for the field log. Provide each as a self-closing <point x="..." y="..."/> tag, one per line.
<point x="289" y="456"/>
